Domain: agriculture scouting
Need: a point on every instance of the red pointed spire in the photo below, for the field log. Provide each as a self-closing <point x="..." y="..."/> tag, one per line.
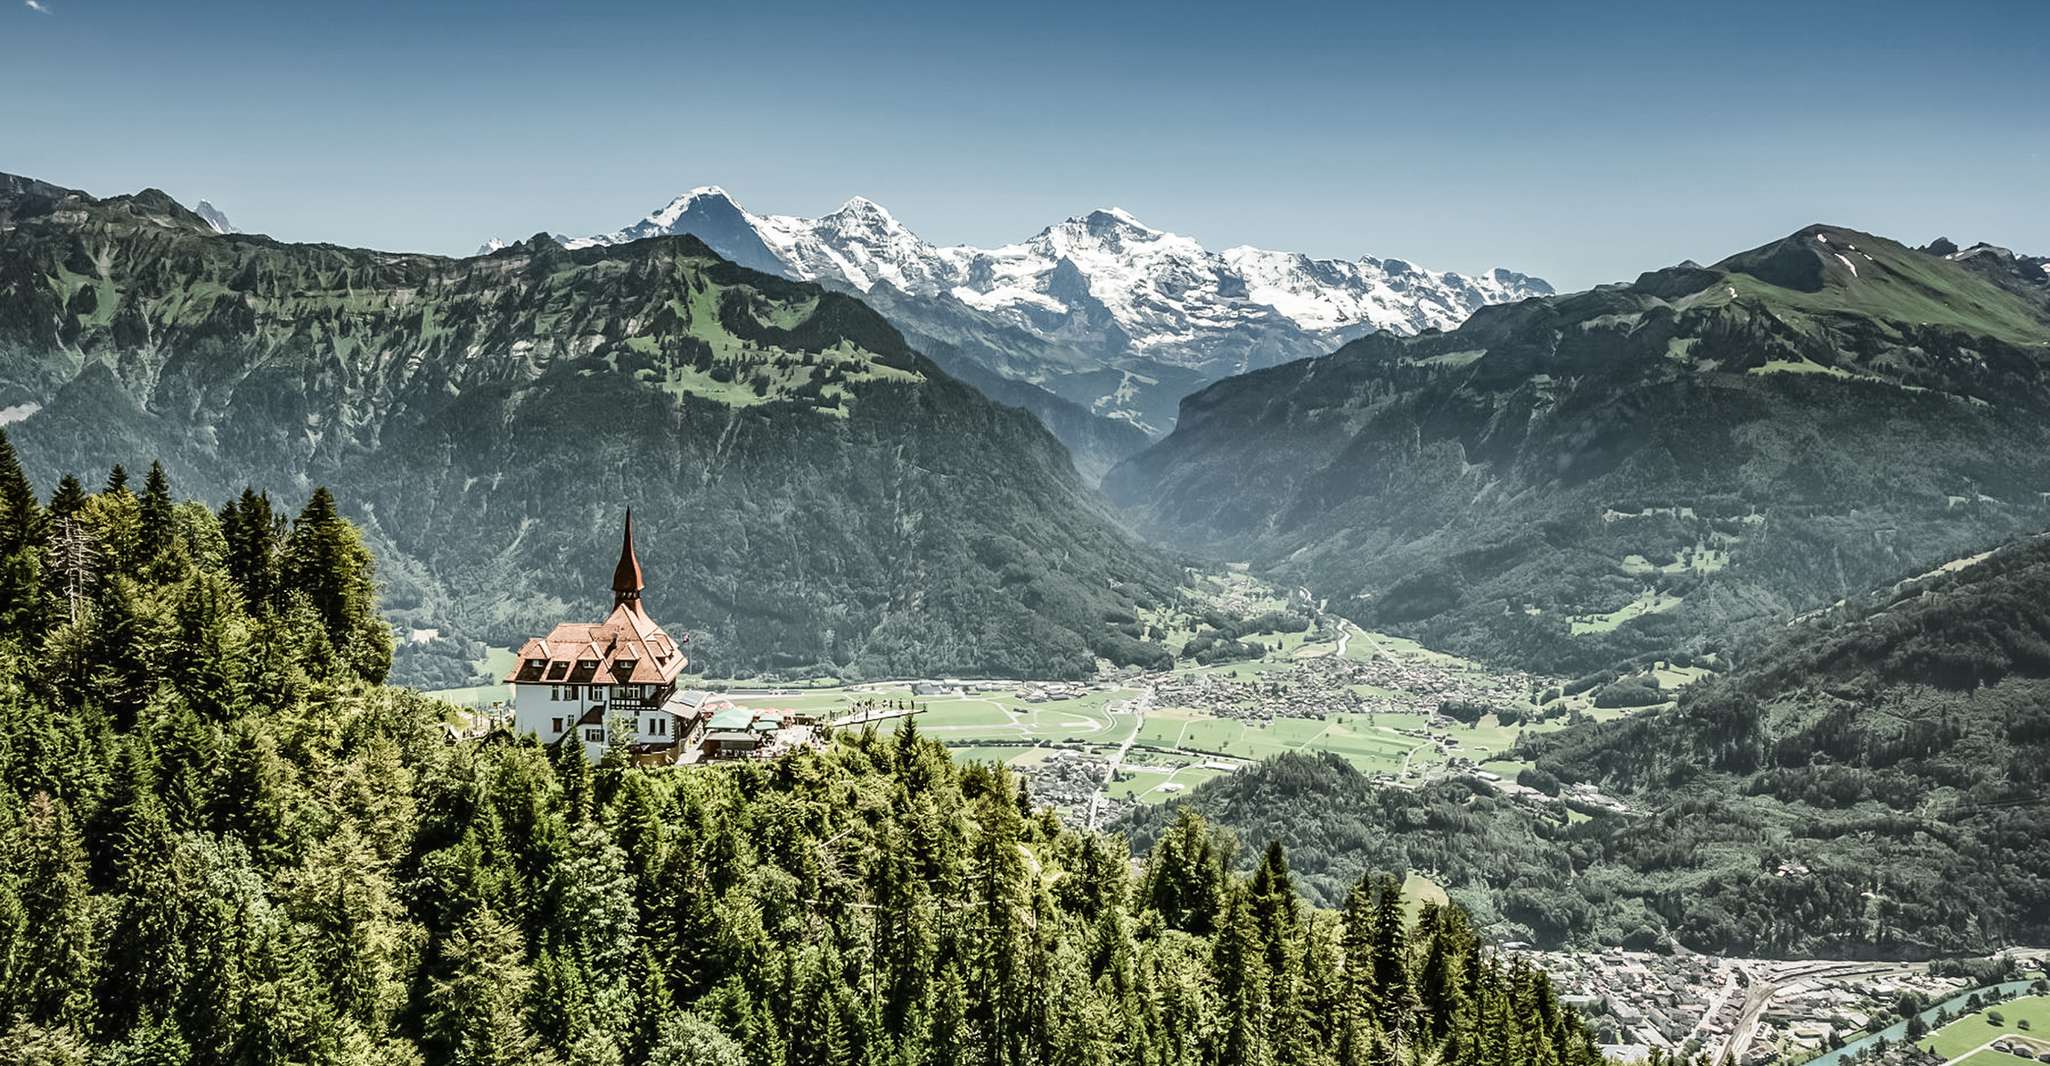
<point x="626" y="577"/>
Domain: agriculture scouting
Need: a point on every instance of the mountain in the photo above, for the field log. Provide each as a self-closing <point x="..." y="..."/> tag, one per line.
<point x="2027" y="276"/>
<point x="812" y="494"/>
<point x="1650" y="467"/>
<point x="1100" y="309"/>
<point x="1884" y="764"/>
<point x="214" y="217"/>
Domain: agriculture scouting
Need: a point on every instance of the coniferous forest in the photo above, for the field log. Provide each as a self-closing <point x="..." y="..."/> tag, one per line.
<point x="224" y="841"/>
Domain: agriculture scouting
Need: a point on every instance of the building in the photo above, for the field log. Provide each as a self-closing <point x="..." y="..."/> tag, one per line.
<point x="610" y="681"/>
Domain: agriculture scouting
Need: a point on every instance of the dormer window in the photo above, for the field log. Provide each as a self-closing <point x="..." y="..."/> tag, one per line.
<point x="558" y="671"/>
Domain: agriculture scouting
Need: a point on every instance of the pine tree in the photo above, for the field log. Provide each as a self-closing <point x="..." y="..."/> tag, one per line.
<point x="52" y="977"/>
<point x="69" y="497"/>
<point x="1241" y="986"/>
<point x="23" y="530"/>
<point x="22" y="521"/>
<point x="476" y="1002"/>
<point x="689" y="1040"/>
<point x="1185" y="875"/>
<point x="1392" y="1005"/>
<point x="250" y="528"/>
<point x="158" y="530"/>
<point x="325" y="561"/>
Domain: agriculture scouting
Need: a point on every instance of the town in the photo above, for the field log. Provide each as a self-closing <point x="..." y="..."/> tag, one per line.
<point x="1750" y="1011"/>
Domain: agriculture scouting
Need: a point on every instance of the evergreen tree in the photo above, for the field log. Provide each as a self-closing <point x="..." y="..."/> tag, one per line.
<point x="325" y="561"/>
<point x="69" y="498"/>
<point x="688" y="1040"/>
<point x="1241" y="986"/>
<point x="51" y="979"/>
<point x="22" y="521"/>
<point x="250" y="528"/>
<point x="23" y="530"/>
<point x="158" y="530"/>
<point x="476" y="1004"/>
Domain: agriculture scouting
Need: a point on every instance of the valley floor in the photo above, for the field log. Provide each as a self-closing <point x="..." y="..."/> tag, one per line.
<point x="1093" y="749"/>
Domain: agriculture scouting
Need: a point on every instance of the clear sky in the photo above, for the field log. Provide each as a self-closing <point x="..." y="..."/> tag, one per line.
<point x="1580" y="141"/>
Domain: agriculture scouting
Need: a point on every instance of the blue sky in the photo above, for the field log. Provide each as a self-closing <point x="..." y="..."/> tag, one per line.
<point x="1581" y="141"/>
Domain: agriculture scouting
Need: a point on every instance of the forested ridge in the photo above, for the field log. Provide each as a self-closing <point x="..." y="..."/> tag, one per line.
<point x="1868" y="782"/>
<point x="223" y="841"/>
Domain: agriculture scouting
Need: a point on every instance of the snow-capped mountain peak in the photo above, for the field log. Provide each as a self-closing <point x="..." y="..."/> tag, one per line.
<point x="1104" y="288"/>
<point x="214" y="217"/>
<point x="677" y="208"/>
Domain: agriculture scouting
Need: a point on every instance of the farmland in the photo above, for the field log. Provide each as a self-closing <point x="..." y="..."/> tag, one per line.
<point x="1297" y="679"/>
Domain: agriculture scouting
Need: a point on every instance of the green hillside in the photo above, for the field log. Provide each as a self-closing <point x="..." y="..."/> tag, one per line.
<point x="813" y="495"/>
<point x="1659" y="467"/>
<point x="1870" y="782"/>
<point x="1895" y="747"/>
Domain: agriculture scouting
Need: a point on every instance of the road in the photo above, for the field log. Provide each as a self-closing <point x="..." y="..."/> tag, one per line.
<point x="1747" y="1022"/>
<point x="1715" y="1006"/>
<point x="1138" y="705"/>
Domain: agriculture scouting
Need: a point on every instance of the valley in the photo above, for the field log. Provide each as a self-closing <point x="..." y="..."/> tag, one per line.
<point x="1096" y="748"/>
<point x="1088" y="612"/>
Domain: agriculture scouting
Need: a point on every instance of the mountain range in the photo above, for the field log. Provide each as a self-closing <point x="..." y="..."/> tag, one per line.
<point x="1644" y="468"/>
<point x="1101" y="309"/>
<point x="813" y="495"/>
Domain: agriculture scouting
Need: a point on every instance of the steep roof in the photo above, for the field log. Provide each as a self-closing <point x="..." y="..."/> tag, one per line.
<point x="627" y="648"/>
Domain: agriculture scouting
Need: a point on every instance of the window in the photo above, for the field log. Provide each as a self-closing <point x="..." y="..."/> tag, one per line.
<point x="595" y="735"/>
<point x="555" y="725"/>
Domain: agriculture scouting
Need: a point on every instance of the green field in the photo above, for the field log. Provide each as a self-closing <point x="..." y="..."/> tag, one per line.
<point x="1171" y="746"/>
<point x="1976" y="1030"/>
<point x="497" y="662"/>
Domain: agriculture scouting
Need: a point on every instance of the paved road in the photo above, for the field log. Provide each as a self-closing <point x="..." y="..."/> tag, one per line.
<point x="1747" y="1023"/>
<point x="1138" y="705"/>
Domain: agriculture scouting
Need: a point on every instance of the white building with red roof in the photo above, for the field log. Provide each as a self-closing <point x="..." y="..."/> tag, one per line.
<point x="610" y="681"/>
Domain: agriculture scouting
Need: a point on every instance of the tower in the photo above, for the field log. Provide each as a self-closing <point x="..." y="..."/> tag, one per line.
<point x="626" y="577"/>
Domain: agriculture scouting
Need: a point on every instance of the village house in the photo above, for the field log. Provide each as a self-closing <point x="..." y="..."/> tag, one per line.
<point x="610" y="681"/>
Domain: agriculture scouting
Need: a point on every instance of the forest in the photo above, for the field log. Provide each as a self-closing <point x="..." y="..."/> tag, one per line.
<point x="224" y="841"/>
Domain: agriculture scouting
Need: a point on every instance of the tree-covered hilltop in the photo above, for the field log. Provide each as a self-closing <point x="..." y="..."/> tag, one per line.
<point x="1652" y="468"/>
<point x="814" y="496"/>
<point x="1880" y="767"/>
<point x="221" y="842"/>
<point x="1870" y="782"/>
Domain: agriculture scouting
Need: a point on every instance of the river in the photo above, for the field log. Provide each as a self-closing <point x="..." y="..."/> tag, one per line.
<point x="1893" y="1034"/>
